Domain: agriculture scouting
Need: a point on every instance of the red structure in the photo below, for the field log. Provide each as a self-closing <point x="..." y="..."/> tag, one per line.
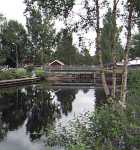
<point x="56" y="64"/>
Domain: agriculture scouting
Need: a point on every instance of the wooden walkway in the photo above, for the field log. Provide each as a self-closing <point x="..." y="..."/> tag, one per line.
<point x="14" y="82"/>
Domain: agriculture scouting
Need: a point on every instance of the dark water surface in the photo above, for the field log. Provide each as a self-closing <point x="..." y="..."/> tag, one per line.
<point x="28" y="113"/>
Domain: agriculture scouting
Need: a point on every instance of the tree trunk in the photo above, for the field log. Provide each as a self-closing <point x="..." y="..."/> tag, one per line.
<point x="99" y="51"/>
<point x="113" y="47"/>
<point x="126" y="56"/>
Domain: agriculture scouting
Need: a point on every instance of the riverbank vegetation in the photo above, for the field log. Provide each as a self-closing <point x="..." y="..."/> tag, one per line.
<point x="108" y="127"/>
<point x="13" y="74"/>
<point x="21" y="73"/>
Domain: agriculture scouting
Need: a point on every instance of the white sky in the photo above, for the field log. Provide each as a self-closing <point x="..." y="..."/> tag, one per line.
<point x="13" y="9"/>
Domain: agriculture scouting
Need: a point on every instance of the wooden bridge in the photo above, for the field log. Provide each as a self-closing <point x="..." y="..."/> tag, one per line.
<point x="80" y="74"/>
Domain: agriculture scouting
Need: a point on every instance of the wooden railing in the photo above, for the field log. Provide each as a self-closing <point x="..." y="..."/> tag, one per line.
<point x="71" y="68"/>
<point x="81" y="68"/>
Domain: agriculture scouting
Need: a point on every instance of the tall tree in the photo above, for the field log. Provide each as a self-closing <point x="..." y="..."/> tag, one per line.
<point x="52" y="7"/>
<point x="3" y="23"/>
<point x="98" y="48"/>
<point x="113" y="46"/>
<point x="40" y="31"/>
<point x="14" y="40"/>
<point x="65" y="50"/>
<point x="135" y="51"/>
<point x="106" y="38"/>
<point x="130" y="5"/>
<point x="86" y="57"/>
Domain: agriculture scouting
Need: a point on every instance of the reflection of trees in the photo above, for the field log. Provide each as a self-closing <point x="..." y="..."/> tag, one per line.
<point x="42" y="115"/>
<point x="100" y="96"/>
<point x="16" y="105"/>
<point x="13" y="108"/>
<point x="3" y="128"/>
<point x="66" y="97"/>
<point x="85" y="91"/>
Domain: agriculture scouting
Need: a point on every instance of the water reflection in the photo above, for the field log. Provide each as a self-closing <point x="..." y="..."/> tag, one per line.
<point x="100" y="96"/>
<point x="66" y="97"/>
<point x="36" y="109"/>
<point x="42" y="113"/>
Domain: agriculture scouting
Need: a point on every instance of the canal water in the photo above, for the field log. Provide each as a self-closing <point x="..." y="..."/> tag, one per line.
<point x="28" y="113"/>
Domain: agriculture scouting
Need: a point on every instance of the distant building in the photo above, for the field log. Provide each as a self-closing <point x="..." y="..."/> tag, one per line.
<point x="131" y="63"/>
<point x="56" y="63"/>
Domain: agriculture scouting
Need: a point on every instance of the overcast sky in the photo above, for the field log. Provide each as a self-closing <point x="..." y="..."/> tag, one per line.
<point x="13" y="9"/>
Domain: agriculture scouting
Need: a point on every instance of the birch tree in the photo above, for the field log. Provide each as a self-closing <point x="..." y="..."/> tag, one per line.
<point x="130" y="5"/>
<point x="98" y="49"/>
<point x="113" y="47"/>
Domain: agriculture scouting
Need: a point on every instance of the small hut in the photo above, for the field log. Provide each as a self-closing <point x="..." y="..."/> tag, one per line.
<point x="56" y="64"/>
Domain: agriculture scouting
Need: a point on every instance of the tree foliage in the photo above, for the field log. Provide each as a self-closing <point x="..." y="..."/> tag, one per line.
<point x="41" y="33"/>
<point x="66" y="51"/>
<point x="53" y="8"/>
<point x="13" y="38"/>
<point x="106" y="38"/>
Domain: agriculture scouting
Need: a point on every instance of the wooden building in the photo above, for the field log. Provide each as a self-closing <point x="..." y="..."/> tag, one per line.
<point x="56" y="63"/>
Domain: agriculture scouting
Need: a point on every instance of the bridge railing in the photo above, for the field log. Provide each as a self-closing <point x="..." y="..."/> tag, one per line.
<point x="71" y="68"/>
<point x="78" y="68"/>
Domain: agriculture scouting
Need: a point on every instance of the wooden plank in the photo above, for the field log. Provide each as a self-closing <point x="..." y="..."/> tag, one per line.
<point x="19" y="81"/>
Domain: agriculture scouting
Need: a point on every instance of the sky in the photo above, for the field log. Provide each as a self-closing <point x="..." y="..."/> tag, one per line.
<point x="13" y="9"/>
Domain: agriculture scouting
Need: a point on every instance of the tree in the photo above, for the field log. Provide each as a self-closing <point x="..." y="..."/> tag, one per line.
<point x="65" y="50"/>
<point x="106" y="38"/>
<point x="86" y="58"/>
<point x="98" y="48"/>
<point x="52" y="8"/>
<point x="41" y="32"/>
<point x="14" y="40"/>
<point x="135" y="50"/>
<point x="3" y="23"/>
<point x="130" y="5"/>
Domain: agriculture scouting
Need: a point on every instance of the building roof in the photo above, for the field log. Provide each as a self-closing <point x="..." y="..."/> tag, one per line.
<point x="57" y="61"/>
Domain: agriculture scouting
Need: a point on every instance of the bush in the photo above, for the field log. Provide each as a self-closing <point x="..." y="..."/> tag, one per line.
<point x="7" y="75"/>
<point x="134" y="79"/>
<point x="13" y="74"/>
<point x="20" y="73"/>
<point x="29" y="68"/>
<point x="40" y="73"/>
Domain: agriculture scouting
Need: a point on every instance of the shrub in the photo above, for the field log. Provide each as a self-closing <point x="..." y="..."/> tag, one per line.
<point x="7" y="74"/>
<point x="13" y="74"/>
<point x="20" y="73"/>
<point x="40" y="73"/>
<point x="29" y="68"/>
<point x="134" y="78"/>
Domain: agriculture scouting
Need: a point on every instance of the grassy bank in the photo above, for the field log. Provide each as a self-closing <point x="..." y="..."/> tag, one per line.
<point x="20" y="73"/>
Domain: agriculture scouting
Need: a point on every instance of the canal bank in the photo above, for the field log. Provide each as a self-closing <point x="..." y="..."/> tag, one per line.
<point x="18" y="82"/>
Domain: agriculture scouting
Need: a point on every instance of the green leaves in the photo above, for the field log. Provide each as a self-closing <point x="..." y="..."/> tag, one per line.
<point x="13" y="38"/>
<point x="41" y="31"/>
<point x="106" y="39"/>
<point x="65" y="50"/>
